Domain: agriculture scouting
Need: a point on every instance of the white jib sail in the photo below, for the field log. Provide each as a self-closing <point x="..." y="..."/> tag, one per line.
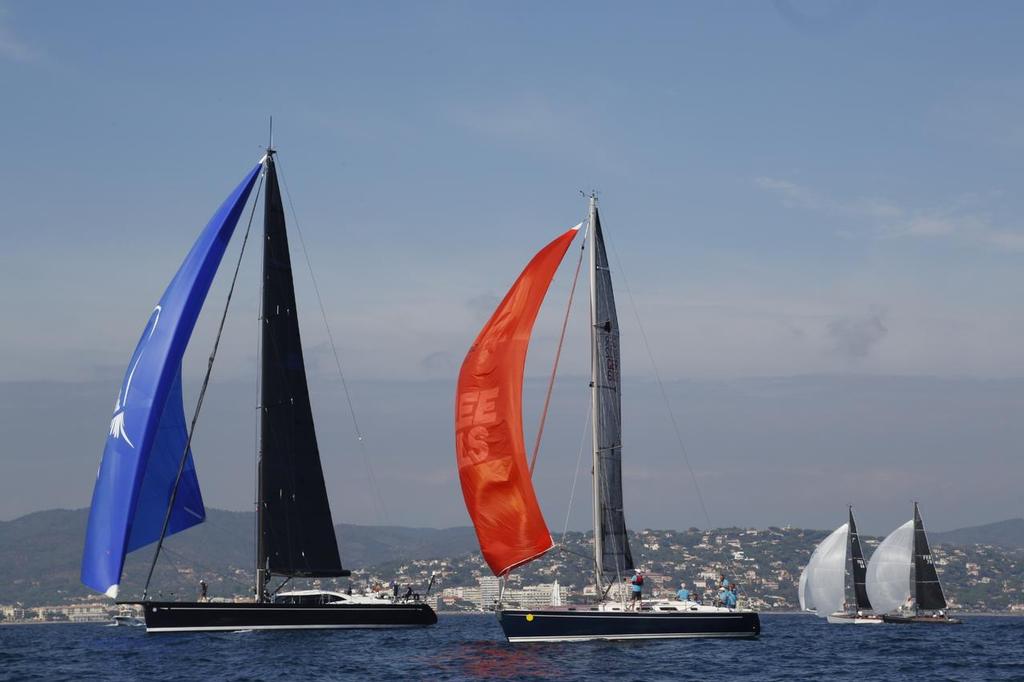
<point x="888" y="579"/>
<point x="823" y="582"/>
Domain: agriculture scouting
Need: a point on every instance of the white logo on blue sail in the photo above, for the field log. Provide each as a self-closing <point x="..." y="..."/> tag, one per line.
<point x="117" y="428"/>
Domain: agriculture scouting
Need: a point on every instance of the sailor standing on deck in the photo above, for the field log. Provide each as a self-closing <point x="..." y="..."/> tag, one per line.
<point x="637" y="585"/>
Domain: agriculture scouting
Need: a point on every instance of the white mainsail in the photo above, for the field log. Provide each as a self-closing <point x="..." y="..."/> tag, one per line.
<point x="823" y="582"/>
<point x="888" y="579"/>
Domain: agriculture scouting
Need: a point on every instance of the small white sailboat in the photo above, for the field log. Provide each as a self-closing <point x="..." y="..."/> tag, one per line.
<point x="823" y="581"/>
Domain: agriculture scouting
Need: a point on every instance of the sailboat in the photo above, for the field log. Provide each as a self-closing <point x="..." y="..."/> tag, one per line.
<point x="902" y="581"/>
<point x="823" y="580"/>
<point x="147" y="487"/>
<point x="496" y="478"/>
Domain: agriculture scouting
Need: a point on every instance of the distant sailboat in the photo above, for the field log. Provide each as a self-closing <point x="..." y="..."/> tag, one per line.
<point x="147" y="486"/>
<point x="902" y="563"/>
<point x="823" y="581"/>
<point x="496" y="477"/>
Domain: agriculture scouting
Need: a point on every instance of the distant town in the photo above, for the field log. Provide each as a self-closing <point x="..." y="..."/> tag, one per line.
<point x="766" y="564"/>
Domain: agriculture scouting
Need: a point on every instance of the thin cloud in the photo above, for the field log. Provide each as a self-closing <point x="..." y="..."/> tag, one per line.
<point x="855" y="337"/>
<point x="11" y="46"/>
<point x="482" y="305"/>
<point x="964" y="218"/>
<point x="440" y="362"/>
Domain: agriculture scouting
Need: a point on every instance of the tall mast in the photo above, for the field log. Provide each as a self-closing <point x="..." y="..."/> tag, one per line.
<point x="261" y="549"/>
<point x="598" y="549"/>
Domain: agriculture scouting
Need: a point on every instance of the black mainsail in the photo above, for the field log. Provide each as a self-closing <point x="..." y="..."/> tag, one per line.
<point x="295" y="531"/>
<point x="859" y="568"/>
<point x="928" y="591"/>
<point x="611" y="545"/>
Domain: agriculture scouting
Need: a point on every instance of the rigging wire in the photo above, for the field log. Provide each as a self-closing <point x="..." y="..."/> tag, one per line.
<point x="554" y="367"/>
<point x="661" y="387"/>
<point x="202" y="394"/>
<point x="376" y="497"/>
<point x="576" y="475"/>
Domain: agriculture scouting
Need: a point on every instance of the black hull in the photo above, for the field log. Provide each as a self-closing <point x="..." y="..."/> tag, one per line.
<point x="927" y="620"/>
<point x="560" y="625"/>
<point x="213" y="616"/>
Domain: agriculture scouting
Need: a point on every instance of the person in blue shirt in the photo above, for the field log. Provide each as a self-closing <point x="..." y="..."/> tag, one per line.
<point x="637" y="585"/>
<point x="682" y="592"/>
<point x="728" y="598"/>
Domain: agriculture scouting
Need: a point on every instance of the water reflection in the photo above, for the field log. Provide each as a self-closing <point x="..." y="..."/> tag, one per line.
<point x="500" y="661"/>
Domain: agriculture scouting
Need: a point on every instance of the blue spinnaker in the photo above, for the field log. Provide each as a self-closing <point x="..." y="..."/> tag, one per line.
<point x="148" y="430"/>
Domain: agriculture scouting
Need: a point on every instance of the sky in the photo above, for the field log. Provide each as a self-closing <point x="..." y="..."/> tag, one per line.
<point x="812" y="208"/>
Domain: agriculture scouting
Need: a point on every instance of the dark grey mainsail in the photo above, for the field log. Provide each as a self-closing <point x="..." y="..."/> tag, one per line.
<point x="611" y="545"/>
<point x="859" y="568"/>
<point x="927" y="590"/>
<point x="295" y="531"/>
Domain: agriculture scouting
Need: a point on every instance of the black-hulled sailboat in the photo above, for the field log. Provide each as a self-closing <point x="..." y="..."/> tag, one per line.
<point x="823" y="581"/>
<point x="905" y="562"/>
<point x="147" y="486"/>
<point x="496" y="478"/>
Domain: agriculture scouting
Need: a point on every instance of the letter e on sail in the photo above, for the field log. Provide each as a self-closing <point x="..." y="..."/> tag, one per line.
<point x="489" y="442"/>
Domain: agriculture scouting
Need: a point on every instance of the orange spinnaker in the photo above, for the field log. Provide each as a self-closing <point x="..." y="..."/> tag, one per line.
<point x="489" y="444"/>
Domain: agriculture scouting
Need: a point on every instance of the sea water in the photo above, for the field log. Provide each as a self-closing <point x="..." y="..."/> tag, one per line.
<point x="471" y="647"/>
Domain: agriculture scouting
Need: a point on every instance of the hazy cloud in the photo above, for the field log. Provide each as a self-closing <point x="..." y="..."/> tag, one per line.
<point x="775" y="438"/>
<point x="483" y="305"/>
<point x="440" y="361"/>
<point x="823" y="18"/>
<point x="11" y="46"/>
<point x="854" y="337"/>
<point x="965" y="218"/>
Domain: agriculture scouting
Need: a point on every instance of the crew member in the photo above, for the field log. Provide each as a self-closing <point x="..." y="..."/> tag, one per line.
<point x="637" y="585"/>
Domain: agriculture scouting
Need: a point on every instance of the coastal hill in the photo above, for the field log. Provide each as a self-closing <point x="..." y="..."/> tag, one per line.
<point x="1009" y="533"/>
<point x="41" y="554"/>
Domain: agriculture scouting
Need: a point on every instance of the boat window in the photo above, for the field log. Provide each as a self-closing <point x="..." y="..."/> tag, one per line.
<point x="667" y="608"/>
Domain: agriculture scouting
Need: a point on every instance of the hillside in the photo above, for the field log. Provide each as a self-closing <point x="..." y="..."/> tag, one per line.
<point x="41" y="554"/>
<point x="1009" y="533"/>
